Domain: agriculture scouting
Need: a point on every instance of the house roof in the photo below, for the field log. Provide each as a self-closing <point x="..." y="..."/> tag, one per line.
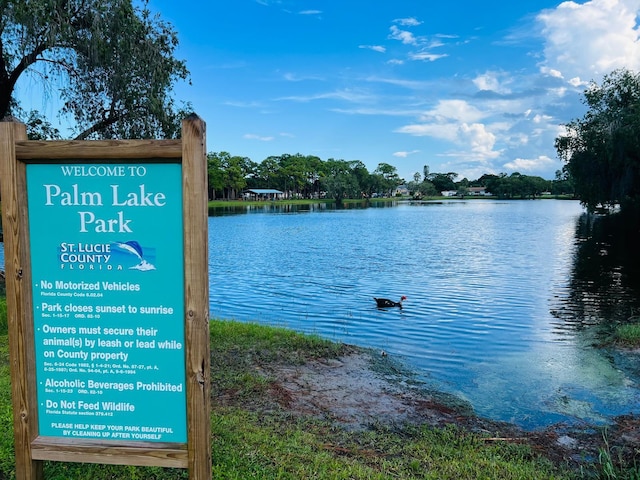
<point x="261" y="191"/>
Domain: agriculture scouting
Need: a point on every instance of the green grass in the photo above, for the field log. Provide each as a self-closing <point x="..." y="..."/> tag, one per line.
<point x="250" y="445"/>
<point x="3" y="316"/>
<point x="628" y="334"/>
<point x="608" y="466"/>
<point x="253" y="436"/>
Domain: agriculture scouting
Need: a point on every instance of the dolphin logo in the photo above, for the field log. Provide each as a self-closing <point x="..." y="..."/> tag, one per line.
<point x="132" y="247"/>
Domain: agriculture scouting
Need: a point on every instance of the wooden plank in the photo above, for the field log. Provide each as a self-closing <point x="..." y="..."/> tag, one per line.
<point x="33" y="150"/>
<point x="144" y="454"/>
<point x="196" y="285"/>
<point x="19" y="307"/>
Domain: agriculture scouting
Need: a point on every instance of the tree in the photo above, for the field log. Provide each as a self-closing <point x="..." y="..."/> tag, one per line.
<point x="339" y="180"/>
<point x="443" y="181"/>
<point x="516" y="185"/>
<point x="602" y="149"/>
<point x="562" y="184"/>
<point x="39" y="128"/>
<point x="390" y="178"/>
<point x="113" y="63"/>
<point x="215" y="173"/>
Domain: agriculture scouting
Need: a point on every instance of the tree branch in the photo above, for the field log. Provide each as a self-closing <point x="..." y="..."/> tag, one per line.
<point x="101" y="125"/>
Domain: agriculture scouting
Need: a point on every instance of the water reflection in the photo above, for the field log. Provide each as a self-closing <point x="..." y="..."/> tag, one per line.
<point x="271" y="207"/>
<point x="605" y="280"/>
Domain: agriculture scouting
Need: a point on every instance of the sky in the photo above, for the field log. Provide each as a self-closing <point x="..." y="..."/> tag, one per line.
<point x="467" y="87"/>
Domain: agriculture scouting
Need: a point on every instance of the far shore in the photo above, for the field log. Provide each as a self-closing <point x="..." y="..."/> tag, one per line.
<point x="313" y="201"/>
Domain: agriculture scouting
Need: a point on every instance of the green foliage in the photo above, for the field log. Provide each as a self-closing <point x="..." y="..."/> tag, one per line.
<point x="516" y="185"/>
<point x="38" y="127"/>
<point x="612" y="467"/>
<point x="602" y="149"/>
<point x="443" y="181"/>
<point x="628" y="334"/>
<point x="111" y="62"/>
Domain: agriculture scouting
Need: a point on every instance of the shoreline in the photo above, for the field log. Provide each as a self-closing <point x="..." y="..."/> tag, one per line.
<point x="361" y="389"/>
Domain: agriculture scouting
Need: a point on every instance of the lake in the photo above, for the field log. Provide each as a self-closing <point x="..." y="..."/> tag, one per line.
<point x="508" y="301"/>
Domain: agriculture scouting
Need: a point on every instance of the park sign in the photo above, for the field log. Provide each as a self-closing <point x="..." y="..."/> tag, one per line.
<point x="106" y="264"/>
<point x="107" y="295"/>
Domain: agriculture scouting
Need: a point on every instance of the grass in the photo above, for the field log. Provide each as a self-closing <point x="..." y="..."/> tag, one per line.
<point x="629" y="334"/>
<point x="608" y="466"/>
<point x="253" y="436"/>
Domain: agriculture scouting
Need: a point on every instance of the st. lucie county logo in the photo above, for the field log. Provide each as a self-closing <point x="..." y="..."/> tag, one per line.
<point x="133" y="255"/>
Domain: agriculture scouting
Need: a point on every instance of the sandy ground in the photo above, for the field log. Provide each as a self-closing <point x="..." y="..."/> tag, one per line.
<point x="352" y="391"/>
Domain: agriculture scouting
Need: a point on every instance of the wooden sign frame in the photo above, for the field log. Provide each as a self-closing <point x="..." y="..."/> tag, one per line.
<point x="31" y="448"/>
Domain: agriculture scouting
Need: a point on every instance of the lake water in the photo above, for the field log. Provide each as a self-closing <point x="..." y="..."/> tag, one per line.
<point x="506" y="299"/>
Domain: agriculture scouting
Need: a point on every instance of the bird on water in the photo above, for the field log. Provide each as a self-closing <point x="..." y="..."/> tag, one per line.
<point x="386" y="303"/>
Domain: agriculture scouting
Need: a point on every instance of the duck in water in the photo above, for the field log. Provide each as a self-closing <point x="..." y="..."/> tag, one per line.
<point x="386" y="303"/>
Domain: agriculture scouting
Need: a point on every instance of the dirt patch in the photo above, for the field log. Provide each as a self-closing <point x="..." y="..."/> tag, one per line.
<point x="357" y="392"/>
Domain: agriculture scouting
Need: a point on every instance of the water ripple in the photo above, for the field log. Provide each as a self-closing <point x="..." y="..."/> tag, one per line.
<point x="485" y="318"/>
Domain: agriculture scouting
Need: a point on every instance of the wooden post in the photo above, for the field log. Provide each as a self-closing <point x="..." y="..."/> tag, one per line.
<point x="196" y="258"/>
<point x="19" y="308"/>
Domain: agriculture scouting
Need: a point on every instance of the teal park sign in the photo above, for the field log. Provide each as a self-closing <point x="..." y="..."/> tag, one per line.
<point x="106" y="246"/>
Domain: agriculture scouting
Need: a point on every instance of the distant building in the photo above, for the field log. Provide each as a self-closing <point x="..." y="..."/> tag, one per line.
<point x="477" y="191"/>
<point x="262" y="194"/>
<point x="401" y="190"/>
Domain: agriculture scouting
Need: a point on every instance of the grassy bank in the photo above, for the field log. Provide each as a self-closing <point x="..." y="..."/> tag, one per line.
<point x="629" y="333"/>
<point x="255" y="436"/>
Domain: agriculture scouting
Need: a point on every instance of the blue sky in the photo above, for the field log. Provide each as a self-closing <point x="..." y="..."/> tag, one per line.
<point x="467" y="87"/>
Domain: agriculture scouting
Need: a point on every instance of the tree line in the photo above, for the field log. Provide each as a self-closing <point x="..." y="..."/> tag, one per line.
<point x="308" y="176"/>
<point x="298" y="176"/>
<point x="602" y="149"/>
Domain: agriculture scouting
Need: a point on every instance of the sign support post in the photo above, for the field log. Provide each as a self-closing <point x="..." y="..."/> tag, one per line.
<point x="106" y="255"/>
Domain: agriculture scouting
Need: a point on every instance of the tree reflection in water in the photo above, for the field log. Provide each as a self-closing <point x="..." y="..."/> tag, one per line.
<point x="604" y="289"/>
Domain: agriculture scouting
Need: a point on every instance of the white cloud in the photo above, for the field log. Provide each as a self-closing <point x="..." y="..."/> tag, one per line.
<point x="491" y="81"/>
<point x="586" y="41"/>
<point x="577" y="82"/>
<point x="479" y="139"/>
<point x="310" y="12"/>
<point x="444" y="131"/>
<point x="405" y="154"/>
<point x="529" y="165"/>
<point x="431" y="57"/>
<point x="346" y="95"/>
<point x="404" y="36"/>
<point x="251" y="136"/>
<point x="408" y="22"/>
<point x="551" y="72"/>
<point x="375" y="48"/>
<point x="538" y="118"/>
<point x="292" y="77"/>
<point x="457" y="110"/>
